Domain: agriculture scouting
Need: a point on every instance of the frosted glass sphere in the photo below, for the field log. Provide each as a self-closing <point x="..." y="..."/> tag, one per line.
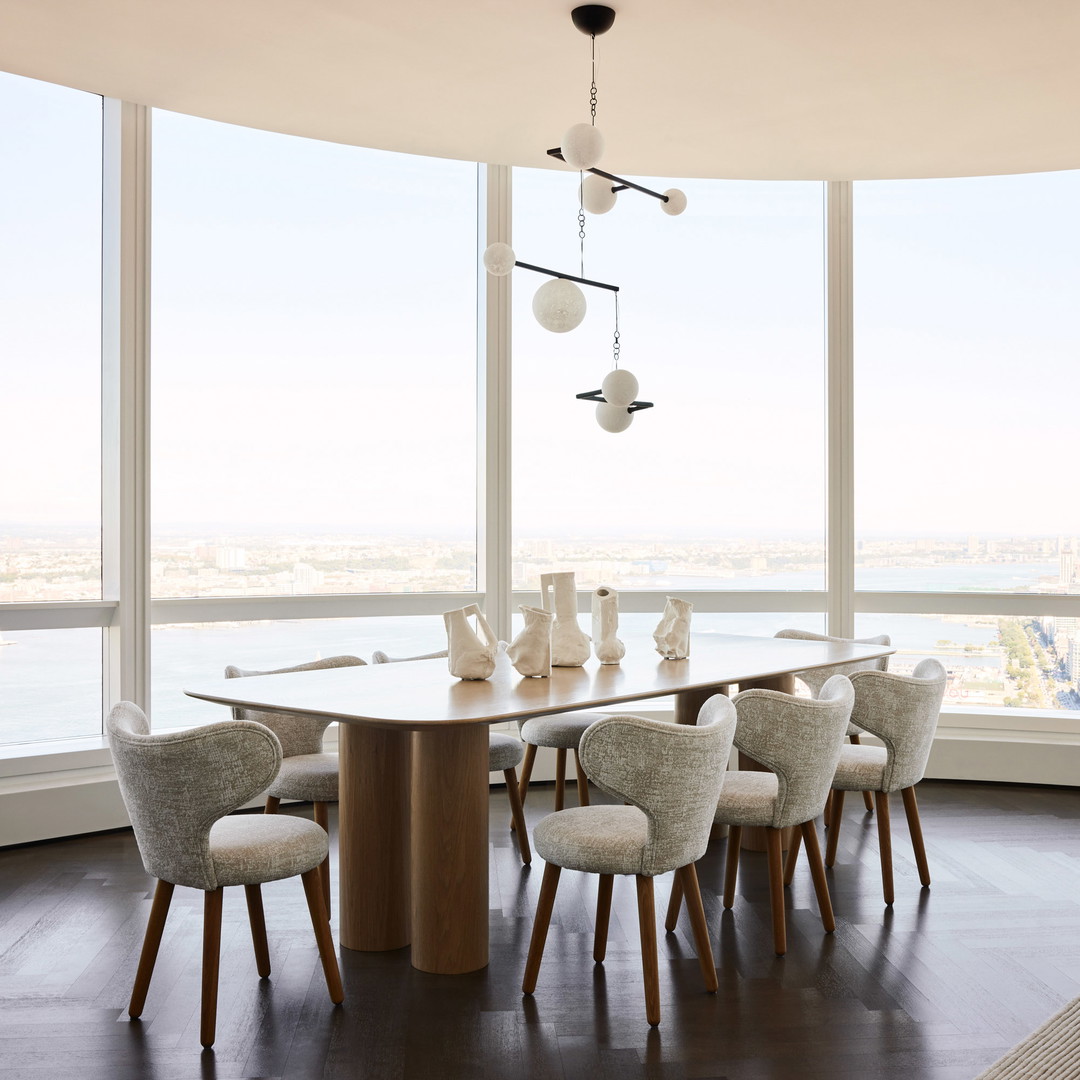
<point x="619" y="388"/>
<point x="499" y="259"/>
<point x="612" y="417"/>
<point x="559" y="305"/>
<point x="582" y="146"/>
<point x="596" y="194"/>
<point x="676" y="202"/>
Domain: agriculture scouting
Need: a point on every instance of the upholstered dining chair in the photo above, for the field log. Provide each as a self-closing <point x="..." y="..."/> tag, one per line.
<point x="178" y="788"/>
<point x="504" y="754"/>
<point x="816" y="678"/>
<point x="308" y="773"/>
<point x="798" y="740"/>
<point x="669" y="775"/>
<point x="560" y="732"/>
<point x="902" y="711"/>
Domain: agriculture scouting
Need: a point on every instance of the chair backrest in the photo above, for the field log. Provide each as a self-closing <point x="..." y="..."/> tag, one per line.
<point x="799" y="739"/>
<point x="902" y="711"/>
<point x="379" y="657"/>
<point x="816" y="678"/>
<point x="298" y="734"/>
<point x="672" y="772"/>
<point x="177" y="784"/>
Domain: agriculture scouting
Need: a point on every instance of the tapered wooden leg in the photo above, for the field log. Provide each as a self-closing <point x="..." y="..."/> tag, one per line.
<point x="649" y="967"/>
<point x="211" y="958"/>
<point x="544" y="906"/>
<point x="272" y="804"/>
<point x="687" y="875"/>
<point x="526" y="772"/>
<point x="674" y="905"/>
<point x="159" y="911"/>
<point x="317" y="909"/>
<point x="517" y="815"/>
<point x="817" y="872"/>
<point x="834" y="826"/>
<point x="322" y="818"/>
<point x="258" y="929"/>
<point x="868" y="801"/>
<point x="731" y="864"/>
<point x="776" y="889"/>
<point x="884" y="843"/>
<point x="911" y="809"/>
<point x="603" y="917"/>
<point x="792" y="856"/>
<point x="560" y="778"/>
<point x="827" y="813"/>
<point x="582" y="782"/>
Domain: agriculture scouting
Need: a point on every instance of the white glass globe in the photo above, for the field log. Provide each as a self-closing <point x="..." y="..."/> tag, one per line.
<point x="499" y="259"/>
<point x="619" y="387"/>
<point x="596" y="194"/>
<point x="612" y="417"/>
<point x="676" y="202"/>
<point x="582" y="146"/>
<point x="559" y="305"/>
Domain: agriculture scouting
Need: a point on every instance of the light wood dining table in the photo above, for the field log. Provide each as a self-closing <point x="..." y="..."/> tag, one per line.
<point x="413" y="746"/>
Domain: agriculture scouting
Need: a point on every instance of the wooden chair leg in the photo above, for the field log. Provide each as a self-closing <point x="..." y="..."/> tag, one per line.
<point x="687" y="877"/>
<point x="827" y="812"/>
<point x="560" y="778"/>
<point x="211" y="958"/>
<point x="884" y="843"/>
<point x="323" y="939"/>
<point x="544" y="906"/>
<point x="582" y="782"/>
<point x="792" y="856"/>
<point x="159" y="911"/>
<point x="603" y="917"/>
<point x="258" y="929"/>
<point x="867" y="799"/>
<point x="731" y="865"/>
<point x="526" y="773"/>
<point x="671" y="920"/>
<point x="649" y="966"/>
<point x="322" y="818"/>
<point x="773" y="842"/>
<point x="834" y="826"/>
<point x="911" y="809"/>
<point x="272" y="804"/>
<point x="517" y="815"/>
<point x="817" y="872"/>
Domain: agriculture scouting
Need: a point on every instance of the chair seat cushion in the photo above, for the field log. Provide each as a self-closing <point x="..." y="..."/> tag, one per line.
<point x="861" y="768"/>
<point x="595" y="839"/>
<point x="562" y="731"/>
<point x="747" y="798"/>
<point x="307" y="777"/>
<point x="248" y="849"/>
<point x="504" y="751"/>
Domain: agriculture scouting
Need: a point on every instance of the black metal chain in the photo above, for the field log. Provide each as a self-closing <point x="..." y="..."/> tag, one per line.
<point x="615" y="346"/>
<point x="581" y="223"/>
<point x="592" y="88"/>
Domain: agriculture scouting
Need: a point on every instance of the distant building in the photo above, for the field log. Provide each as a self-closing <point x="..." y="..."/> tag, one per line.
<point x="230" y="558"/>
<point x="1067" y="567"/>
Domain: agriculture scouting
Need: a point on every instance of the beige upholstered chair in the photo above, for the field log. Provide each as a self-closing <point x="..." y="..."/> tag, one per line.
<point x="560" y="732"/>
<point x="178" y="788"/>
<point x="670" y="776"/>
<point x="308" y="774"/>
<point x="799" y="740"/>
<point x="504" y="754"/>
<point x="902" y="711"/>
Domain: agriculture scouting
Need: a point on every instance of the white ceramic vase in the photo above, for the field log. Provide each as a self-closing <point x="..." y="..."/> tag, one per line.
<point x="530" y="651"/>
<point x="569" y="643"/>
<point x="471" y="652"/>
<point x="605" y="626"/>
<point x="672" y="633"/>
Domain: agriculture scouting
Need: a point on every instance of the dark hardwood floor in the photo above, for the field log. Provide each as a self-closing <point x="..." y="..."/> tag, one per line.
<point x="937" y="987"/>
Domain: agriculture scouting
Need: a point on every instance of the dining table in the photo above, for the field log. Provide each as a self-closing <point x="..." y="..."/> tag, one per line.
<point x="413" y="765"/>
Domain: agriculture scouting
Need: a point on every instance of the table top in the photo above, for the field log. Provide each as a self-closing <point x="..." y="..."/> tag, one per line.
<point x="420" y="693"/>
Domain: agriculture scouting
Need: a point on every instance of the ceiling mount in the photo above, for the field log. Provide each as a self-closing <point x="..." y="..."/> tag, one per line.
<point x="593" y="19"/>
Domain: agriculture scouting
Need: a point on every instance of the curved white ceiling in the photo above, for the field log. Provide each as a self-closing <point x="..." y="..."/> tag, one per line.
<point x="767" y="89"/>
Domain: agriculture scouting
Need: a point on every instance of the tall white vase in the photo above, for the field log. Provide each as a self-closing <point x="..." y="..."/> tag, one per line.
<point x="672" y="633"/>
<point x="471" y="653"/>
<point x="530" y="651"/>
<point x="605" y="625"/>
<point x="569" y="643"/>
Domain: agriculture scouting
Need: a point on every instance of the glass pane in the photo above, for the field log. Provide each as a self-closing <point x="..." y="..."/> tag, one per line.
<point x="50" y="343"/>
<point x="314" y="386"/>
<point x="50" y="684"/>
<point x="721" y="485"/>
<point x="965" y="342"/>
<point x="189" y="654"/>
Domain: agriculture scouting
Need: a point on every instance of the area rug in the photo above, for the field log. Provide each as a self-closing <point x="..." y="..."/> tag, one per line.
<point x="1051" y="1053"/>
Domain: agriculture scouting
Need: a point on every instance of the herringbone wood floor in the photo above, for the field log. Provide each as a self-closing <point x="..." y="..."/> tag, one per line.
<point x="937" y="987"/>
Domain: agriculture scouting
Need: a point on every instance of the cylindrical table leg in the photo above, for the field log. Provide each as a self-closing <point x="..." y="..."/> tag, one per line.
<point x="373" y="837"/>
<point x="688" y="703"/>
<point x="450" y="849"/>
